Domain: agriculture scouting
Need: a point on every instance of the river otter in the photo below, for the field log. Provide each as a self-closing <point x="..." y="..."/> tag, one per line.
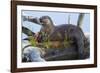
<point x="58" y="33"/>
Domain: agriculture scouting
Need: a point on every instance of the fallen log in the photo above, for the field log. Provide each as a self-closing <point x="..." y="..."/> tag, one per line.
<point x="57" y="51"/>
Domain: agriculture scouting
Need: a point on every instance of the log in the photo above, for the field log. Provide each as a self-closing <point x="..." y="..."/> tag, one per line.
<point x="58" y="54"/>
<point x="57" y="51"/>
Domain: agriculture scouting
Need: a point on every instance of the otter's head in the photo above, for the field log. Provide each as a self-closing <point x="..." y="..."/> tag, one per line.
<point x="46" y="21"/>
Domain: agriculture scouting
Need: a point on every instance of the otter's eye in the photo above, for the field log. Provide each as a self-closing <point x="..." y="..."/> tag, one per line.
<point x="40" y="20"/>
<point x="43" y="18"/>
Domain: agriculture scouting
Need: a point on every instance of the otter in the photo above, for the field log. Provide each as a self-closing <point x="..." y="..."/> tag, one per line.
<point x="58" y="33"/>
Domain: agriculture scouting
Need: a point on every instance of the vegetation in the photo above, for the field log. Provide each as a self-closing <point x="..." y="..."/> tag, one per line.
<point x="32" y="41"/>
